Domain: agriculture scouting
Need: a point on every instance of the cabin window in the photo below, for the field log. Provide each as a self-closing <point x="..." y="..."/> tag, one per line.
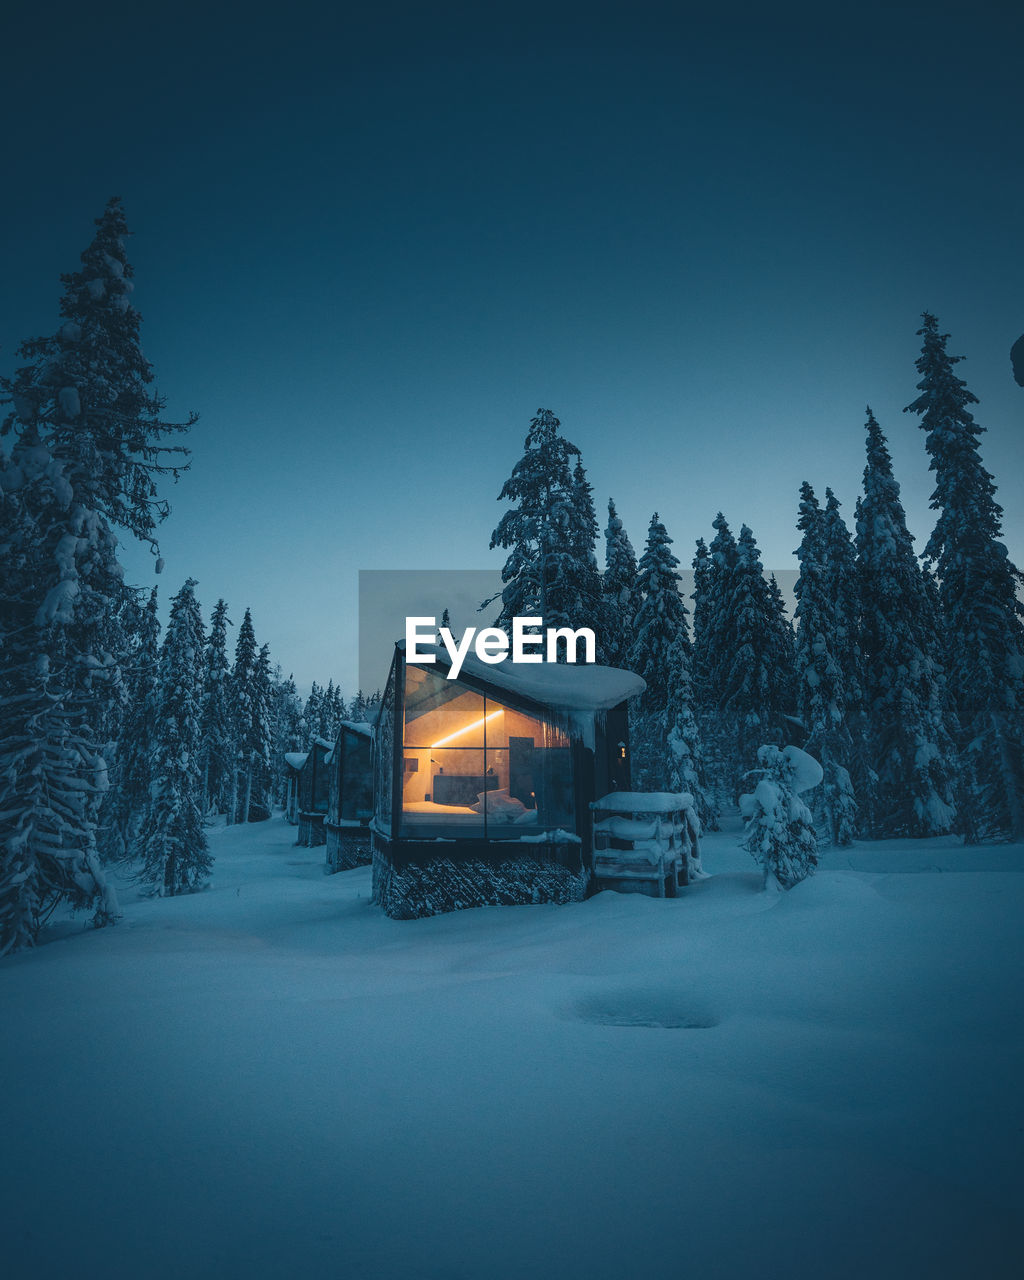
<point x="321" y="779"/>
<point x="356" y="800"/>
<point x="382" y="782"/>
<point x="474" y="768"/>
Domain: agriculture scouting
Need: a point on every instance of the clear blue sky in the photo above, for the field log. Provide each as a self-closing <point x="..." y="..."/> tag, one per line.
<point x="369" y="247"/>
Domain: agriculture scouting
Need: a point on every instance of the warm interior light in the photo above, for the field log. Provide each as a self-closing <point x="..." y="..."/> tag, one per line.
<point x="466" y="728"/>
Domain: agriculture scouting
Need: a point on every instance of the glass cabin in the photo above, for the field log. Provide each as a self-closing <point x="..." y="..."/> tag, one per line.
<point x="494" y="768"/>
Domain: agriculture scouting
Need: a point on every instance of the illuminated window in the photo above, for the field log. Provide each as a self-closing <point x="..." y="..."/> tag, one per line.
<point x="474" y="768"/>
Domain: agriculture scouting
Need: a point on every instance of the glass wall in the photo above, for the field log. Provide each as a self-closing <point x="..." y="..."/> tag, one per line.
<point x="383" y="764"/>
<point x="473" y="768"/>
<point x="321" y="778"/>
<point x="355" y="775"/>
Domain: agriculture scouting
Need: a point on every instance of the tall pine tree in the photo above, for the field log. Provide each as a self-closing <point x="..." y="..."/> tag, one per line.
<point x="842" y="586"/>
<point x="621" y="592"/>
<point x="977" y="589"/>
<point x="543" y="572"/>
<point x="53" y="772"/>
<point x="218" y="752"/>
<point x="131" y="794"/>
<point x="173" y="841"/>
<point x="247" y="718"/>
<point x="714" y="642"/>
<point x="755" y="671"/>
<point x="821" y="686"/>
<point x="913" y="757"/>
<point x="667" y="753"/>
<point x="89" y="448"/>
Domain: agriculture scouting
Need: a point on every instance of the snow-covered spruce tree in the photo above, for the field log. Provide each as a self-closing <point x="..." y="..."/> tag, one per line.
<point x="621" y="592"/>
<point x="714" y="642"/>
<point x="755" y="673"/>
<point x="128" y="798"/>
<point x="125" y="638"/>
<point x="543" y="574"/>
<point x="52" y="771"/>
<point x="585" y="601"/>
<point x="260" y="800"/>
<point x="685" y="755"/>
<point x="913" y="757"/>
<point x="88" y="390"/>
<point x="358" y="712"/>
<point x="175" y="858"/>
<point x="780" y="827"/>
<point x="334" y="711"/>
<point x="821" y="687"/>
<point x="250" y="696"/>
<point x="702" y="607"/>
<point x="218" y="750"/>
<point x="83" y="397"/>
<point x="661" y="619"/>
<point x="977" y="588"/>
<point x="842" y="587"/>
<point x="782" y="652"/>
<point x="667" y="754"/>
<point x="289" y="730"/>
<point x="313" y="714"/>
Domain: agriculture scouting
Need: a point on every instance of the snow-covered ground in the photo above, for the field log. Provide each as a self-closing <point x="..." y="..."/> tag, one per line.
<point x="271" y="1079"/>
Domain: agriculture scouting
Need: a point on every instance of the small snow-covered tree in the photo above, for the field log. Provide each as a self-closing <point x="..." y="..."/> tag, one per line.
<point x="913" y="756"/>
<point x="173" y="845"/>
<point x="822" y="699"/>
<point x="621" y="592"/>
<point x="780" y="827"/>
<point x="977" y="589"/>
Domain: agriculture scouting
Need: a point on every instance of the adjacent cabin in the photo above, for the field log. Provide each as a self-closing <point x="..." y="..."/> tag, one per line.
<point x="314" y="789"/>
<point x="483" y="785"/>
<point x="350" y="801"/>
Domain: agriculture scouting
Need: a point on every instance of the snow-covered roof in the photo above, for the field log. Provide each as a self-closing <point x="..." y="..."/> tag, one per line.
<point x="296" y="759"/>
<point x="572" y="687"/>
<point x="358" y="726"/>
<point x="322" y="742"/>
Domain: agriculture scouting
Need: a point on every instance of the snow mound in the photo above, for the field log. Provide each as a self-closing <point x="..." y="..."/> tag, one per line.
<point x="807" y="772"/>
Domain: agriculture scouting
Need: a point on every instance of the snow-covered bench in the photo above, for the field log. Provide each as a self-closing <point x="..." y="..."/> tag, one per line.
<point x="646" y="842"/>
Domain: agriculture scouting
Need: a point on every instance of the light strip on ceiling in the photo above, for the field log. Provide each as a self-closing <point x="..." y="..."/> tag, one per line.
<point x="465" y="729"/>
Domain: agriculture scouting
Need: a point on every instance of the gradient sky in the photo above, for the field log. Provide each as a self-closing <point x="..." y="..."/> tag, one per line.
<point x="369" y="246"/>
